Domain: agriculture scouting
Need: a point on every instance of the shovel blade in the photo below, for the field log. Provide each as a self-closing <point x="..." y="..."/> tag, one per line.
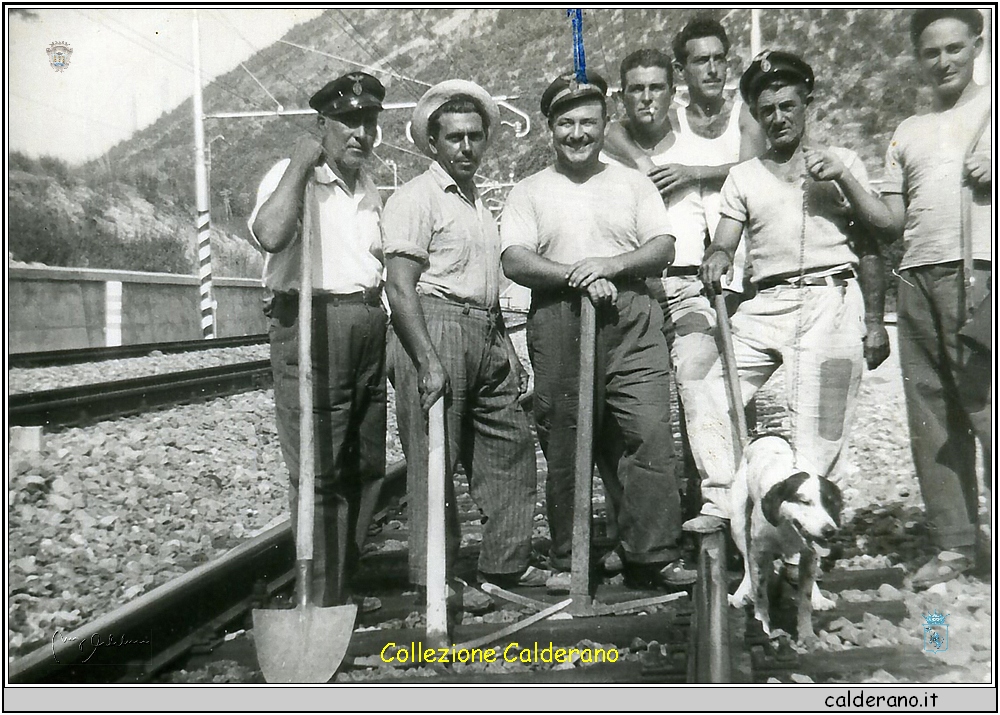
<point x="302" y="645"/>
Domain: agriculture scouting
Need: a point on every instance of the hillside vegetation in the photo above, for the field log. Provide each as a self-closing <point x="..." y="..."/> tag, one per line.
<point x="141" y="192"/>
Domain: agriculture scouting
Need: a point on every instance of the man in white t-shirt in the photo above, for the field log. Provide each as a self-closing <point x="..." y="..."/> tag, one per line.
<point x="944" y="296"/>
<point x="805" y="213"/>
<point x="580" y="230"/>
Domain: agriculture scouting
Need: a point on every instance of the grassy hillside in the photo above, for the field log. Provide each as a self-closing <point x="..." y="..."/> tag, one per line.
<point x="862" y="60"/>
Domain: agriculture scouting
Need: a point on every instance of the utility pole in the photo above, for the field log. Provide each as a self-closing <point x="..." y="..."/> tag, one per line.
<point x="755" y="40"/>
<point x="201" y="197"/>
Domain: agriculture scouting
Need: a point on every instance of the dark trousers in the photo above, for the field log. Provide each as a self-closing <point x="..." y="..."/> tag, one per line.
<point x="348" y="362"/>
<point x="486" y="430"/>
<point x="948" y="396"/>
<point x="633" y="445"/>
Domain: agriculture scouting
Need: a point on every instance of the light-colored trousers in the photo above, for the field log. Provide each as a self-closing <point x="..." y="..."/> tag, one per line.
<point x="816" y="332"/>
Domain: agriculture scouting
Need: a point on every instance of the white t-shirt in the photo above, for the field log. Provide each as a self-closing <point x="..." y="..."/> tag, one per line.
<point x="613" y="212"/>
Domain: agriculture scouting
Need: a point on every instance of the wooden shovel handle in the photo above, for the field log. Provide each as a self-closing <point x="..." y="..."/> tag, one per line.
<point x="731" y="374"/>
<point x="437" y="577"/>
<point x="584" y="465"/>
<point x="307" y="476"/>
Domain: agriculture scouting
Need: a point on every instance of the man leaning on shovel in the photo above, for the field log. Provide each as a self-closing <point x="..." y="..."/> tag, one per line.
<point x="449" y="341"/>
<point x="324" y="185"/>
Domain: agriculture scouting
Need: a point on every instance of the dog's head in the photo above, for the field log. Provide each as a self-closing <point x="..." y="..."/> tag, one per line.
<point x="809" y="504"/>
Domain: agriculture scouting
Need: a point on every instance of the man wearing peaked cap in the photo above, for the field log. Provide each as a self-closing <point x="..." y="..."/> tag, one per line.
<point x="774" y="65"/>
<point x="449" y="340"/>
<point x="349" y="93"/>
<point x="812" y="220"/>
<point x="568" y="88"/>
<point x="585" y="230"/>
<point x="349" y="322"/>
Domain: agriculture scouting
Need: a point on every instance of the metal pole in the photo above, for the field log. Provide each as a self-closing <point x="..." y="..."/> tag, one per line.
<point x="201" y="196"/>
<point x="755" y="41"/>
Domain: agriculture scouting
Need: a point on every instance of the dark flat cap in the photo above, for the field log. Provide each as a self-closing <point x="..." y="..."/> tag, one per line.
<point x="567" y="88"/>
<point x="348" y="93"/>
<point x="771" y="64"/>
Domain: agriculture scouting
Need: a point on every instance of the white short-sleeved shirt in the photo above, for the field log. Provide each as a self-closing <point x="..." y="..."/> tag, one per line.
<point x="925" y="163"/>
<point x="347" y="257"/>
<point x="772" y="212"/>
<point x="613" y="212"/>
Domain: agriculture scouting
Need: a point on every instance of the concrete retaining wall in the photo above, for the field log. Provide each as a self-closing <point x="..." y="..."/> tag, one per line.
<point x="62" y="308"/>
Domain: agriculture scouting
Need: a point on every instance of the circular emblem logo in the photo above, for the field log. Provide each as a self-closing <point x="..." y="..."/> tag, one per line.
<point x="357" y="88"/>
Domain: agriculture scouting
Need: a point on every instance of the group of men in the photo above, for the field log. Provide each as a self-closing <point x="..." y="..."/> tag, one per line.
<point x="645" y="226"/>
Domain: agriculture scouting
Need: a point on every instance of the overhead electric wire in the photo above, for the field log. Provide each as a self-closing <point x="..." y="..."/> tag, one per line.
<point x="171" y="58"/>
<point x="256" y="49"/>
<point x="63" y="110"/>
<point x="362" y="65"/>
<point x="376" y="53"/>
<point x="600" y="41"/>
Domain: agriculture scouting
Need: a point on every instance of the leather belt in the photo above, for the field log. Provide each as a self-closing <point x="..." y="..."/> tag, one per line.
<point x="837" y="279"/>
<point x="673" y="271"/>
<point x="372" y="296"/>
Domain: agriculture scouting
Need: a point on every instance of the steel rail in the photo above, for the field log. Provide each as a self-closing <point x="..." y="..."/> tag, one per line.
<point x="74" y="356"/>
<point x="72" y="406"/>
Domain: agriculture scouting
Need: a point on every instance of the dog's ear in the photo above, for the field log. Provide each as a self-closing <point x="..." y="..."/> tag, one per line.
<point x="831" y="498"/>
<point x="782" y="491"/>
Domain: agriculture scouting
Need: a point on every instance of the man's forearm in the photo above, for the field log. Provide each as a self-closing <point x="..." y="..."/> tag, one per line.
<point x="868" y="209"/>
<point x="409" y="323"/>
<point x="278" y="218"/>
<point x="533" y="271"/>
<point x="650" y="259"/>
<point x="871" y="277"/>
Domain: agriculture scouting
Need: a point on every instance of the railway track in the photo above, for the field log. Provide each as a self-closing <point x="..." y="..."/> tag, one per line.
<point x="184" y="624"/>
<point x="75" y="356"/>
<point x="75" y="406"/>
<point x="84" y="404"/>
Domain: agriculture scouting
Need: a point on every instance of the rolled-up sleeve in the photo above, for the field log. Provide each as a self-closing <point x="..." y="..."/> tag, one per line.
<point x="518" y="226"/>
<point x="267" y="187"/>
<point x="732" y="202"/>
<point x="406" y="226"/>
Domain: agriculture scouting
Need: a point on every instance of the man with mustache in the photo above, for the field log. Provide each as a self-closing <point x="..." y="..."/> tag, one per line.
<point x="579" y="230"/>
<point x="945" y="317"/>
<point x="808" y="214"/>
<point x="449" y="340"/>
<point x="349" y="322"/>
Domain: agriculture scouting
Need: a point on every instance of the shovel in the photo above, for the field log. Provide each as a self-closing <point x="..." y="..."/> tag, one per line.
<point x="305" y="644"/>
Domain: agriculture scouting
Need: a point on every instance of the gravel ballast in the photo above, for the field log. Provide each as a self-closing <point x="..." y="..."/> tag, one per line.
<point x="105" y="513"/>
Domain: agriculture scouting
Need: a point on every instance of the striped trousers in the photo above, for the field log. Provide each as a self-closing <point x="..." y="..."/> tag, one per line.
<point x="487" y="432"/>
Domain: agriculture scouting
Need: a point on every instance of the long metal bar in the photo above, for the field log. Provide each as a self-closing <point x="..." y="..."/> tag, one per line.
<point x="201" y="195"/>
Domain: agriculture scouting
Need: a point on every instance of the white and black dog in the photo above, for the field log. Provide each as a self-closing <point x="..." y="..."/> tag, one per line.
<point x="779" y="511"/>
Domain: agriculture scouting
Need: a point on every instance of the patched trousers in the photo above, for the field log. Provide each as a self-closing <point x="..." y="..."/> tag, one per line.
<point x="487" y="431"/>
<point x="949" y="396"/>
<point x="816" y="332"/>
<point x="348" y="368"/>
<point x="633" y="444"/>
